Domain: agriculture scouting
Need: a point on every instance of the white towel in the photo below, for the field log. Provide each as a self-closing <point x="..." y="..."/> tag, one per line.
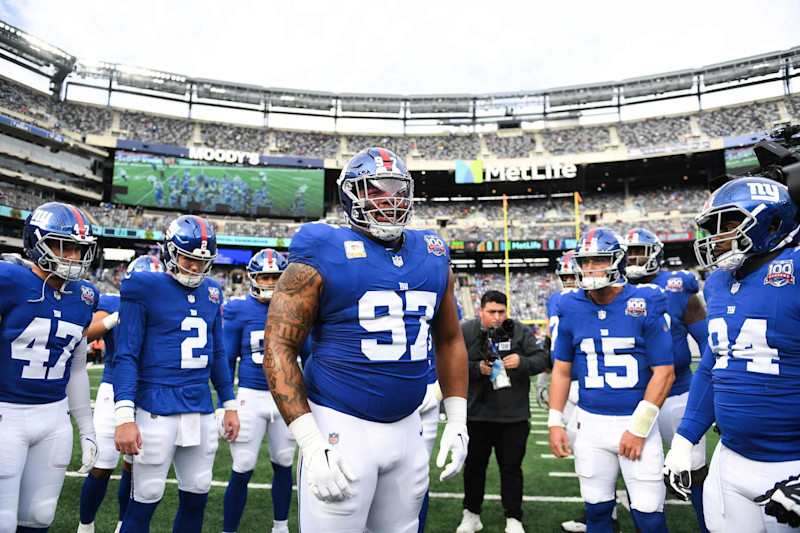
<point x="188" y="430"/>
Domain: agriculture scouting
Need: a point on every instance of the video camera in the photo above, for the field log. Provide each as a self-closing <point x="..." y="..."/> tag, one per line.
<point x="495" y="336"/>
<point x="778" y="160"/>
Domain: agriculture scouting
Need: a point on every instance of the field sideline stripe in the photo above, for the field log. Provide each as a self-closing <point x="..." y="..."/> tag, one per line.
<point x="443" y="495"/>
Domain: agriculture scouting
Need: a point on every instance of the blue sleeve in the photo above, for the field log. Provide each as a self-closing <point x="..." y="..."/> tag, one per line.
<point x="699" y="332"/>
<point x="657" y="337"/>
<point x="562" y="348"/>
<point x="304" y="248"/>
<point x="690" y="283"/>
<point x="6" y="288"/>
<point x="220" y="373"/>
<point x="129" y="337"/>
<point x="699" y="414"/>
<point x="232" y="334"/>
<point x="109" y="304"/>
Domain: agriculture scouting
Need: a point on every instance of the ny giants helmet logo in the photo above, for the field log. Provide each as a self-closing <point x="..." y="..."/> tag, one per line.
<point x="780" y="273"/>
<point x="435" y="245"/>
<point x="636" y="307"/>
<point x="213" y="294"/>
<point x="87" y="295"/>
<point x="675" y="285"/>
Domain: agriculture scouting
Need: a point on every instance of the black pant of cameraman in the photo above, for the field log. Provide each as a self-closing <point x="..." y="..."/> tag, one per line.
<point x="509" y="440"/>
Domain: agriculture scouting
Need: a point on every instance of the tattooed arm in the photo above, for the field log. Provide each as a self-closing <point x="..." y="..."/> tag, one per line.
<point x="292" y="312"/>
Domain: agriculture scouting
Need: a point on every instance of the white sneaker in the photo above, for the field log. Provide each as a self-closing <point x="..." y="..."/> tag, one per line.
<point x="281" y="530"/>
<point x="85" y="528"/>
<point x="514" y="526"/>
<point x="470" y="523"/>
<point x="574" y="526"/>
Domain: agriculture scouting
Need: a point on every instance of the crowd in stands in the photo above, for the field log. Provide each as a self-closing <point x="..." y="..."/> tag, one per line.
<point x="310" y="144"/>
<point x="230" y="137"/>
<point x="395" y="143"/>
<point x="150" y="128"/>
<point x="464" y="146"/>
<point x="739" y="120"/>
<point x="576" y="140"/>
<point x="517" y="146"/>
<point x="529" y="292"/>
<point x="654" y="132"/>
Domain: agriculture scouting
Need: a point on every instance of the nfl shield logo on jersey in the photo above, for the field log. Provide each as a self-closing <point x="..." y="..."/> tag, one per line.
<point x="397" y="260"/>
<point x="213" y="294"/>
<point x="601" y="314"/>
<point x="333" y="438"/>
<point x="636" y="307"/>
<point x="87" y="295"/>
<point x="435" y="245"/>
<point x="780" y="273"/>
<point x="675" y="285"/>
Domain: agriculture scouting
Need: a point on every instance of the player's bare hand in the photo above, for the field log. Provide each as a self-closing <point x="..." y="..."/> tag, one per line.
<point x="559" y="444"/>
<point x="630" y="445"/>
<point x="511" y="361"/>
<point x="231" y="424"/>
<point x="127" y="439"/>
<point x="486" y="368"/>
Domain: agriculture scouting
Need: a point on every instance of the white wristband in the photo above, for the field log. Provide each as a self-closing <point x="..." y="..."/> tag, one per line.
<point x="455" y="407"/>
<point x="124" y="412"/>
<point x="306" y="433"/>
<point x="643" y="419"/>
<point x="111" y="321"/>
<point x="229" y="405"/>
<point x="555" y="418"/>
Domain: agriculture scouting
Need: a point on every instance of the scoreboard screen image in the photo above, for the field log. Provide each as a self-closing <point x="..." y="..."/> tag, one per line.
<point x="184" y="184"/>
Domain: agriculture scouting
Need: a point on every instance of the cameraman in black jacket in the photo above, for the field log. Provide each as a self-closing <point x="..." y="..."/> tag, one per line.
<point x="498" y="406"/>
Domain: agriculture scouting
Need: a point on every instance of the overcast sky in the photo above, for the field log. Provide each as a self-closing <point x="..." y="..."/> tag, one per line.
<point x="411" y="46"/>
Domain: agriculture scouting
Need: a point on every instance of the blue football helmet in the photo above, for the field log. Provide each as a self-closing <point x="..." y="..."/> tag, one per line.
<point x="266" y="261"/>
<point x="745" y="217"/>
<point x="649" y="250"/>
<point x="565" y="272"/>
<point x="189" y="236"/>
<point x="48" y="229"/>
<point x="146" y="263"/>
<point x="377" y="193"/>
<point x="600" y="243"/>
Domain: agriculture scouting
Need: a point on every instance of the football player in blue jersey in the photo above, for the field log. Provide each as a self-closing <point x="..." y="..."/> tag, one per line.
<point x="104" y="321"/>
<point x="45" y="308"/>
<point x="748" y="376"/>
<point x="244" y="339"/>
<point x="617" y="338"/>
<point x="370" y="295"/>
<point x="169" y="344"/>
<point x="687" y="317"/>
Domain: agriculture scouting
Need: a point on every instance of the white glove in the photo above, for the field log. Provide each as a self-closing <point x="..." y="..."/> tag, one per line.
<point x="219" y="417"/>
<point x="678" y="467"/>
<point x="454" y="437"/>
<point x="783" y="501"/>
<point x="328" y="473"/>
<point x="89" y="453"/>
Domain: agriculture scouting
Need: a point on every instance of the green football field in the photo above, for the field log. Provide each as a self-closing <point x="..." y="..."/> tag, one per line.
<point x="283" y="185"/>
<point x="549" y="497"/>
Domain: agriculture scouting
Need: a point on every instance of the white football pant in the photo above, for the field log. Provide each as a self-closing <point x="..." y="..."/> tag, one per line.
<point x="598" y="463"/>
<point x="569" y="416"/>
<point x="259" y="416"/>
<point x="192" y="463"/>
<point x="36" y="443"/>
<point x="391" y="463"/>
<point x="733" y="483"/>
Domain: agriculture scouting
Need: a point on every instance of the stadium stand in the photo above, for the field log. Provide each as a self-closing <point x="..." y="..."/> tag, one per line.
<point x="152" y="128"/>
<point x="739" y="120"/>
<point x="230" y="137"/>
<point x="576" y="140"/>
<point x="516" y="146"/>
<point x="397" y="144"/>
<point x="305" y="144"/>
<point x="654" y="132"/>
<point x="447" y="146"/>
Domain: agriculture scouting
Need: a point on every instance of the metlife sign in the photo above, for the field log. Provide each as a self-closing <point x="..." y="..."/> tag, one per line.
<point x="480" y="171"/>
